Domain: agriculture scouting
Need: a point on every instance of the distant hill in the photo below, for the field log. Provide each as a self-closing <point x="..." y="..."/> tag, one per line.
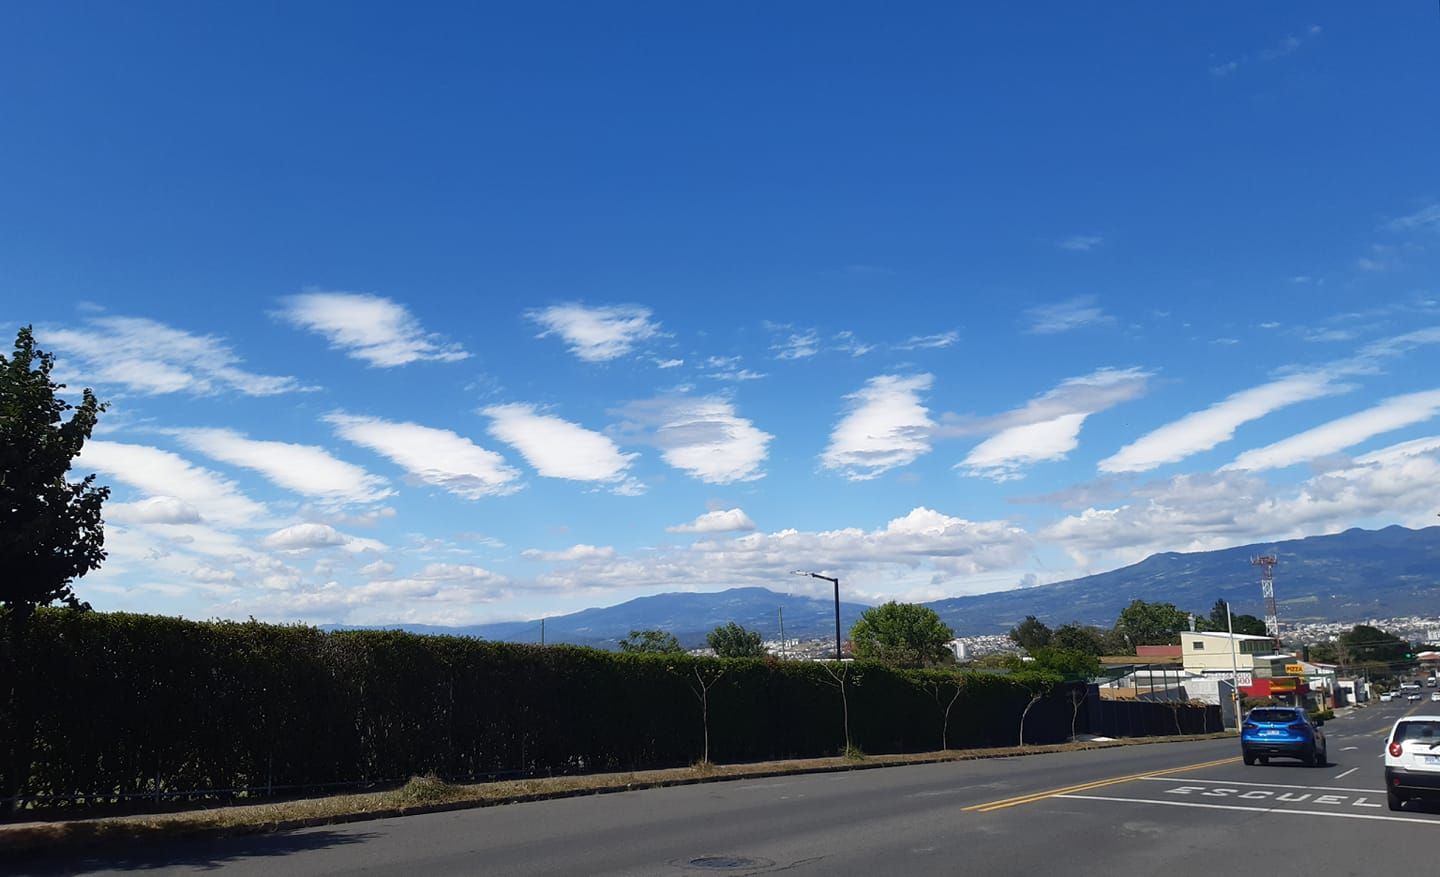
<point x="689" y="616"/>
<point x="1348" y="576"/>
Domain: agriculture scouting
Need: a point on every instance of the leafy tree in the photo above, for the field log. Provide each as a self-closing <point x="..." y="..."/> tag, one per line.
<point x="902" y="634"/>
<point x="733" y="641"/>
<point x="51" y="532"/>
<point x="1079" y="638"/>
<point x="1067" y="664"/>
<point x="651" y="642"/>
<point x="1031" y="634"/>
<point x="1246" y="624"/>
<point x="1366" y="643"/>
<point x="1151" y="624"/>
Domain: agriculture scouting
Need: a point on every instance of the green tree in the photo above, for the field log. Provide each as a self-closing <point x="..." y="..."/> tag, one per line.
<point x="1363" y="643"/>
<point x="1151" y="624"/>
<point x="1247" y="624"/>
<point x="733" y="641"/>
<point x="1037" y="683"/>
<point x="51" y="532"/>
<point x="1031" y="634"/>
<point x="1079" y="638"/>
<point x="1067" y="663"/>
<point x="651" y="642"/>
<point x="902" y="634"/>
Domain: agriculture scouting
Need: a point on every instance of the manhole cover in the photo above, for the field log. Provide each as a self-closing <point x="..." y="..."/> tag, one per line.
<point x="728" y="863"/>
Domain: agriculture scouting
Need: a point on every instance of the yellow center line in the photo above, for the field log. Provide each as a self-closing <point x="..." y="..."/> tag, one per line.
<point x="1096" y="784"/>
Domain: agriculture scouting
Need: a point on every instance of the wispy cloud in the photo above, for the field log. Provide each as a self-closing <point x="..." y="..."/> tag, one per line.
<point x="306" y="469"/>
<point x="887" y="426"/>
<point x="797" y="345"/>
<point x="369" y="328"/>
<point x="180" y="486"/>
<point x="1291" y="44"/>
<point x="1047" y="428"/>
<point x="1427" y="217"/>
<point x="728" y="368"/>
<point x="150" y="358"/>
<point x="930" y="342"/>
<point x="718" y="521"/>
<point x="1081" y="243"/>
<point x="574" y="554"/>
<point x="1345" y="432"/>
<point x="597" y="334"/>
<point x="1065" y="316"/>
<point x="557" y="448"/>
<point x="437" y="457"/>
<point x="702" y="436"/>
<point x="1202" y="430"/>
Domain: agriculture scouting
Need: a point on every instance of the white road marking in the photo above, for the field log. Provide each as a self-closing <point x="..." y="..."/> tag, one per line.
<point x="1349" y="748"/>
<point x="1379" y="791"/>
<point x="1347" y="773"/>
<point x="1266" y="810"/>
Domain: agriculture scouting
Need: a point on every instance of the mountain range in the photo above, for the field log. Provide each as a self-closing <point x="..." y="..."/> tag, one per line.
<point x="1349" y="576"/>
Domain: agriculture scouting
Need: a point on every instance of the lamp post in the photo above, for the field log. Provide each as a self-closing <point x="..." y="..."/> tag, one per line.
<point x="836" y="583"/>
<point x="1234" y="666"/>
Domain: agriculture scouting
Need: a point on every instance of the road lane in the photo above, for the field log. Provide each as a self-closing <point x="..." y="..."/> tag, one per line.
<point x="1126" y="817"/>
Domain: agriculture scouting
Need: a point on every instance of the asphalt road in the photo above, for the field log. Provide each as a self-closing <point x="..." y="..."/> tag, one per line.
<point x="1172" y="809"/>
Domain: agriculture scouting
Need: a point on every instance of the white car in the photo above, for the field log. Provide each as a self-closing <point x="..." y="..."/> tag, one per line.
<point x="1386" y="697"/>
<point x="1412" y="760"/>
<point x="1435" y="697"/>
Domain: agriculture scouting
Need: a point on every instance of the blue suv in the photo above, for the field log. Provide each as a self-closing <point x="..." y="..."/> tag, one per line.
<point x="1284" y="731"/>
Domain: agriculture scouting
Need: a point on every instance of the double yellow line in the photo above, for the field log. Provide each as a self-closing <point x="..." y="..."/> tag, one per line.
<point x="1085" y="787"/>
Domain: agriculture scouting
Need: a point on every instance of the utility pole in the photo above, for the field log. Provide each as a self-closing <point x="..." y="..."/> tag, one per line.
<point x="1234" y="666"/>
<point x="542" y="631"/>
<point x="782" y="633"/>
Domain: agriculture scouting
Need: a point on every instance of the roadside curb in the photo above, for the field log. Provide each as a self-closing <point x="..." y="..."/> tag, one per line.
<point x="96" y="836"/>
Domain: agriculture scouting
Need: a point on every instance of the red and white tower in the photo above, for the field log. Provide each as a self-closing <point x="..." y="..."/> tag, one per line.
<point x="1267" y="562"/>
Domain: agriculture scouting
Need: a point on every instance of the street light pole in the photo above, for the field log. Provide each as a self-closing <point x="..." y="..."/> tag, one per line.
<point x="1234" y="666"/>
<point x="836" y="583"/>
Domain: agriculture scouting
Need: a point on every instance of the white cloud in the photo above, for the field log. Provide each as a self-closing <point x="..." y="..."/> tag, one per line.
<point x="1065" y="316"/>
<point x="798" y="345"/>
<point x="151" y="358"/>
<point x="432" y="456"/>
<point x="702" y="436"/>
<point x="377" y="569"/>
<point x="1426" y="217"/>
<point x="669" y="363"/>
<point x="1205" y="512"/>
<point x="1288" y="46"/>
<point x="727" y="368"/>
<point x="1047" y="427"/>
<point x="887" y="426"/>
<point x="573" y="554"/>
<point x="718" y="521"/>
<point x="1202" y="430"/>
<point x="306" y="469"/>
<point x="155" y="510"/>
<point x="183" y="485"/>
<point x="1082" y="243"/>
<point x="930" y="342"/>
<point x="367" y="327"/>
<point x="212" y="576"/>
<point x="1003" y="456"/>
<point x="597" y="334"/>
<point x="557" y="448"/>
<point x="300" y="537"/>
<point x="1337" y="435"/>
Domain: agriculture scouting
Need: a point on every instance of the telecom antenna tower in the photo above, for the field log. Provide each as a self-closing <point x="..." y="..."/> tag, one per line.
<point x="1267" y="562"/>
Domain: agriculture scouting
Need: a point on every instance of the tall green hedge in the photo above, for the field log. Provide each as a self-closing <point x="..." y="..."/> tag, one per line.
<point x="128" y="704"/>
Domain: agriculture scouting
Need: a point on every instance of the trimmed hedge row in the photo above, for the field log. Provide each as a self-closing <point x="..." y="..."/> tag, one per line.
<point x="126" y="704"/>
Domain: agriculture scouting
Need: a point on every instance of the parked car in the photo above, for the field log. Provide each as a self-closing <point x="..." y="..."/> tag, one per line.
<point x="1386" y="697"/>
<point x="1412" y="760"/>
<point x="1283" y="731"/>
<point x="1435" y="697"/>
<point x="1414" y="695"/>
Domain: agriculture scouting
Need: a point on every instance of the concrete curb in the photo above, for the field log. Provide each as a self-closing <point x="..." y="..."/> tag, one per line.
<point x="37" y="839"/>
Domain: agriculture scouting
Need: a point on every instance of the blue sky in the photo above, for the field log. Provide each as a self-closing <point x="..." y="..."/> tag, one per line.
<point x="455" y="315"/>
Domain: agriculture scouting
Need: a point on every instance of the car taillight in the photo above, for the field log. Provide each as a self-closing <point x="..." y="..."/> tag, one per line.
<point x="1251" y="726"/>
<point x="1298" y="726"/>
<point x="1395" y="750"/>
